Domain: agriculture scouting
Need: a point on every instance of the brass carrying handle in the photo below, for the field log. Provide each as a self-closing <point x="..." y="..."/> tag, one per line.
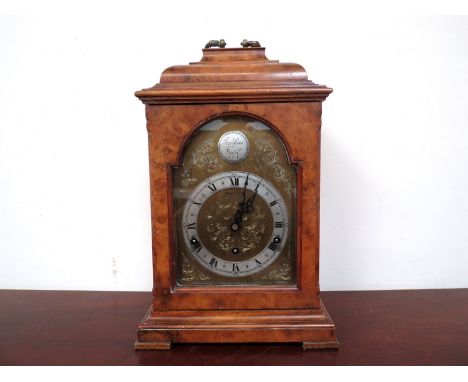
<point x="250" y="44"/>
<point x="215" y="43"/>
<point x="222" y="44"/>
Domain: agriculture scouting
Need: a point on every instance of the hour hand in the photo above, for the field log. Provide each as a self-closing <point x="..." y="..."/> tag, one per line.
<point x="235" y="226"/>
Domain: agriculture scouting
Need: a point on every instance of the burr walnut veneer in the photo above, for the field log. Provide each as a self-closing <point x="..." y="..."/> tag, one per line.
<point x="235" y="83"/>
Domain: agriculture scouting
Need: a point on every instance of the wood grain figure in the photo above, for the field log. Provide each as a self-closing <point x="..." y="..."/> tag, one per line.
<point x="235" y="81"/>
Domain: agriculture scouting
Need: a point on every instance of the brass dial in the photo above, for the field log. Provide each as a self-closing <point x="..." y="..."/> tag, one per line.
<point x="220" y="239"/>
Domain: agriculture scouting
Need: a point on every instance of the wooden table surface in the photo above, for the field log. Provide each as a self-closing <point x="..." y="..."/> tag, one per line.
<point x="413" y="327"/>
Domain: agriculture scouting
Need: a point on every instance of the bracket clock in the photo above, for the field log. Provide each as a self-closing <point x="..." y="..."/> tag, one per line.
<point x="234" y="150"/>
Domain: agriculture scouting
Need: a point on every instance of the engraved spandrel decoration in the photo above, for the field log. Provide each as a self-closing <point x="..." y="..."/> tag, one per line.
<point x="267" y="157"/>
<point x="283" y="272"/>
<point x="187" y="178"/>
<point x="190" y="271"/>
<point x="206" y="156"/>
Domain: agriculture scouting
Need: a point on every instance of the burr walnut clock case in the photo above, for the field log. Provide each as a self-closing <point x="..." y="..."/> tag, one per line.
<point x="234" y="150"/>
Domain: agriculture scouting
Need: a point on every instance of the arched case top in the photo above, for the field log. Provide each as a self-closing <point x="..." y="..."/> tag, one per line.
<point x="233" y="74"/>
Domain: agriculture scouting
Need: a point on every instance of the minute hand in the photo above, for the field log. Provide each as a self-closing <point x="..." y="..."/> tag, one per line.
<point x="246" y="206"/>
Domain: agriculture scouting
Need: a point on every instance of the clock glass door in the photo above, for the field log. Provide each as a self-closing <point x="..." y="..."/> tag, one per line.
<point x="234" y="207"/>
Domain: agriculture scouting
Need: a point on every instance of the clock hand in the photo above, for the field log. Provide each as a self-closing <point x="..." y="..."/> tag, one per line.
<point x="240" y="211"/>
<point x="246" y="206"/>
<point x="235" y="226"/>
<point x="245" y="186"/>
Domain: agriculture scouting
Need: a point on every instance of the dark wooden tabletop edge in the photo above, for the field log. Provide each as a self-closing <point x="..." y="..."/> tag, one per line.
<point x="149" y="291"/>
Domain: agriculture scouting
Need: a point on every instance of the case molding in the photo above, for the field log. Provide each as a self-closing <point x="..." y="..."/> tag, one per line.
<point x="313" y="328"/>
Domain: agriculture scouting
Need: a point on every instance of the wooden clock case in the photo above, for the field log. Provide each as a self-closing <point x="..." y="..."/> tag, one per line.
<point x="239" y="81"/>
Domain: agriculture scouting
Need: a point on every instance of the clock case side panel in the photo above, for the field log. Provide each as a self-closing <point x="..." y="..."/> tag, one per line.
<point x="169" y="128"/>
